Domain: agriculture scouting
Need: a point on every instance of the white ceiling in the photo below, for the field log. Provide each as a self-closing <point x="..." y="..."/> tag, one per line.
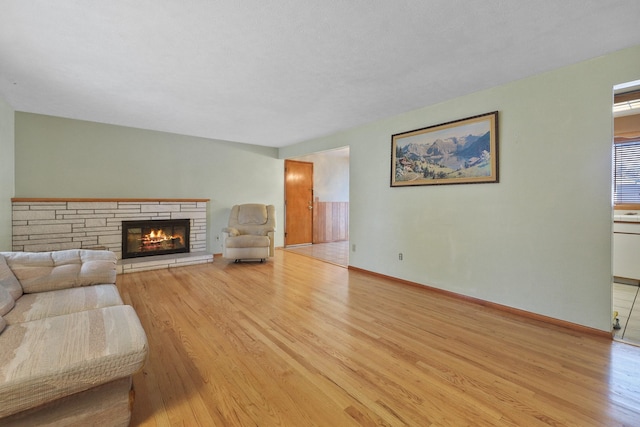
<point x="278" y="72"/>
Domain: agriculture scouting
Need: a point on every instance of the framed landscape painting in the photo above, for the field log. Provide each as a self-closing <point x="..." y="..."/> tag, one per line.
<point x="460" y="152"/>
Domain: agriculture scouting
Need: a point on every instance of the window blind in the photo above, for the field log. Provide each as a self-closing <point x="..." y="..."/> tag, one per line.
<point x="626" y="180"/>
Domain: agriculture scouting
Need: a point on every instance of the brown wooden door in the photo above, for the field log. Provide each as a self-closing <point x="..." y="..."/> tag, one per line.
<point x="298" y="193"/>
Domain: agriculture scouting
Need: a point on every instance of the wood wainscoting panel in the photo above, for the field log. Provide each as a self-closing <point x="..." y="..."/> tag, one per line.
<point x="330" y="221"/>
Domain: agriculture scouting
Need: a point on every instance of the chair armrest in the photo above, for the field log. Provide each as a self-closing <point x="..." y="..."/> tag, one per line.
<point x="271" y="235"/>
<point x="231" y="231"/>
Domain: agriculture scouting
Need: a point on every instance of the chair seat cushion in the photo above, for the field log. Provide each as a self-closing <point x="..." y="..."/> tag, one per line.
<point x="247" y="241"/>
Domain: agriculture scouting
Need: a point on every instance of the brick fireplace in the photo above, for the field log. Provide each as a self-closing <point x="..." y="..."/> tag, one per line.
<point x="55" y="224"/>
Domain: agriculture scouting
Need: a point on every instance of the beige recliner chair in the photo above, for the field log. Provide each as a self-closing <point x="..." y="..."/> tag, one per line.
<point x="250" y="232"/>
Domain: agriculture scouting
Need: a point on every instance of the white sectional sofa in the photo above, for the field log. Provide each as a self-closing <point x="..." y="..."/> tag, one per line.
<point x="68" y="344"/>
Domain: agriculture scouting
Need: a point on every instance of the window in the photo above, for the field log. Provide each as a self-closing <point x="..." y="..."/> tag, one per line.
<point x="626" y="178"/>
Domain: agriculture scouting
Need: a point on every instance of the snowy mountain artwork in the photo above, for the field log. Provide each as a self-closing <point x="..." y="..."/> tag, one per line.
<point x="463" y="151"/>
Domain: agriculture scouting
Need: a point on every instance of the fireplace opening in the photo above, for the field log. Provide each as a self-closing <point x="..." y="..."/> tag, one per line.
<point x="155" y="237"/>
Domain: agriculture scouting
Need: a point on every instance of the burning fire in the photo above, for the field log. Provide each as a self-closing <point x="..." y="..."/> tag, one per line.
<point x="156" y="237"/>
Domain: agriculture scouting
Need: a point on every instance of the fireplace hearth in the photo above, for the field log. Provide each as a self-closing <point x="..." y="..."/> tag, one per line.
<point x="155" y="237"/>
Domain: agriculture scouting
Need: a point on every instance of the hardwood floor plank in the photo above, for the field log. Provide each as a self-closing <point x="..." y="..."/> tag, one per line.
<point x="300" y="342"/>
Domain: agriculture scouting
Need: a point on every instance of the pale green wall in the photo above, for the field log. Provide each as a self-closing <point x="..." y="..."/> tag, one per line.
<point x="6" y="173"/>
<point x="540" y="240"/>
<point x="58" y="157"/>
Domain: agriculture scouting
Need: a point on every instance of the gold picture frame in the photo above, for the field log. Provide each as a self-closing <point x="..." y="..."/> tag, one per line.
<point x="463" y="151"/>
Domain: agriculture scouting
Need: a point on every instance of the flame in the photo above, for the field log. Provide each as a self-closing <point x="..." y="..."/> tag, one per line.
<point x="159" y="236"/>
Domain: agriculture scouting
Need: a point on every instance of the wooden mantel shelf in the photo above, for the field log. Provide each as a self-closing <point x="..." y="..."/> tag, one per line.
<point x="115" y="199"/>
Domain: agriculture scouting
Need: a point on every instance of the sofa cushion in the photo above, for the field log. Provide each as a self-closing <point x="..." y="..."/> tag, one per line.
<point x="6" y="301"/>
<point x="63" y="301"/>
<point x="8" y="280"/>
<point x="47" y="359"/>
<point x="45" y="271"/>
<point x="3" y="324"/>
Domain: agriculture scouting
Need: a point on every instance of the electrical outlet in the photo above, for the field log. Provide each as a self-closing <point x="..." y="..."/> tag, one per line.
<point x="400" y="256"/>
<point x="353" y="247"/>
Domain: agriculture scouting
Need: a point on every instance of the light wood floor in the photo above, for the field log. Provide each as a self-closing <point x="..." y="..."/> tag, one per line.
<point x="301" y="342"/>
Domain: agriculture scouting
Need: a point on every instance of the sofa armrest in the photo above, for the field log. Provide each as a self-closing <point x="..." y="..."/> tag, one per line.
<point x="47" y="271"/>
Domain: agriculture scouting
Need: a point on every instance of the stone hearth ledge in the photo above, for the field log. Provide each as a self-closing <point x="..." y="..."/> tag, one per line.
<point x="157" y="262"/>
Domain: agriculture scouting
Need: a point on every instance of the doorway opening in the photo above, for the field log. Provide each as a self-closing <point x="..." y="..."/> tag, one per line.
<point x="626" y="214"/>
<point x="322" y="205"/>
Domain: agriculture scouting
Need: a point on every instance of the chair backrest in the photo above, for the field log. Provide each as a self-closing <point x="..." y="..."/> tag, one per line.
<point x="253" y="218"/>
